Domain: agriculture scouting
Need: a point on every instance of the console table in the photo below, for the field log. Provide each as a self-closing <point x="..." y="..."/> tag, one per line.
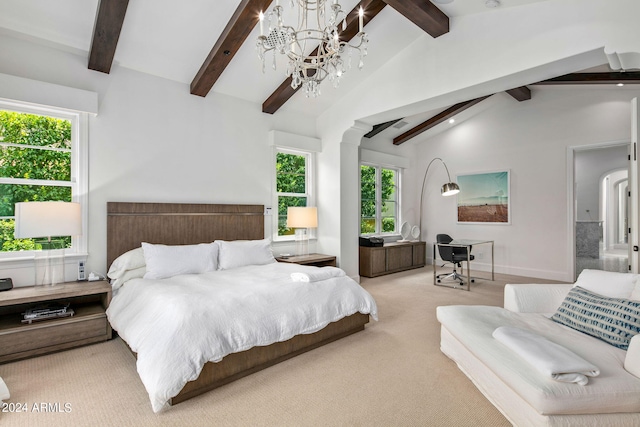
<point x="391" y="258"/>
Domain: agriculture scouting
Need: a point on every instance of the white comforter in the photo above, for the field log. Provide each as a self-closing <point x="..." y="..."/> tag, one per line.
<point x="176" y="325"/>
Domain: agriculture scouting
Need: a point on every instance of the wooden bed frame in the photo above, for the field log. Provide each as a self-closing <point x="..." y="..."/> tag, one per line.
<point x="130" y="224"/>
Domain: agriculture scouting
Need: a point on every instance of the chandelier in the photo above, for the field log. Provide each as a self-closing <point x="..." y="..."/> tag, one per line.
<point x="328" y="58"/>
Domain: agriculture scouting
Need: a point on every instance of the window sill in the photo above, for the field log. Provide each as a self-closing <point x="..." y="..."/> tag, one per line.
<point x="17" y="260"/>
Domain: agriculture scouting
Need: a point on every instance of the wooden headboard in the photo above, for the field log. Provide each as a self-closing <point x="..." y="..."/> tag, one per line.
<point x="130" y="224"/>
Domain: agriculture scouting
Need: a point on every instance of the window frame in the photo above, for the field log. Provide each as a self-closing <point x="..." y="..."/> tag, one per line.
<point x="310" y="157"/>
<point x="79" y="172"/>
<point x="378" y="199"/>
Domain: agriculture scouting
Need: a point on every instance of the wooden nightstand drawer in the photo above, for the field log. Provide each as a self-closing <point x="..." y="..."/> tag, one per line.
<point x="54" y="333"/>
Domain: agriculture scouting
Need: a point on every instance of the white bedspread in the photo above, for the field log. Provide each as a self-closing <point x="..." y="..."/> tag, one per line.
<point x="176" y="325"/>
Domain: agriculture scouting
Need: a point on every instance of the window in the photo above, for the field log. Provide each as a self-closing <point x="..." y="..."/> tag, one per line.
<point x="378" y="200"/>
<point x="293" y="185"/>
<point x="39" y="161"/>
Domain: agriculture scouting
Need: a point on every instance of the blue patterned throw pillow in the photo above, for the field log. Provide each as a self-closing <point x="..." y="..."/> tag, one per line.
<point x="613" y="320"/>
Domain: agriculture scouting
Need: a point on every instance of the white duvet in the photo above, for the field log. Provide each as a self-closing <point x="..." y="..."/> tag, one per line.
<point x="176" y="325"/>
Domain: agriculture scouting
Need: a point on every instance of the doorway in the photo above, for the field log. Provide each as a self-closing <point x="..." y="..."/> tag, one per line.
<point x="601" y="208"/>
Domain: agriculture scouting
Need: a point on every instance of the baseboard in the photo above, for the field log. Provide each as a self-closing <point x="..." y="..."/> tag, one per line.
<point x="485" y="267"/>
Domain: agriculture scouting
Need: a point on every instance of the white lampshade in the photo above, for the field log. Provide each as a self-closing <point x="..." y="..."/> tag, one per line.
<point x="302" y="217"/>
<point x="46" y="219"/>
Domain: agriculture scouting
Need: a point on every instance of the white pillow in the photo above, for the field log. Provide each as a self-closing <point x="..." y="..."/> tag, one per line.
<point x="607" y="283"/>
<point x="239" y="253"/>
<point x="635" y="295"/>
<point x="136" y="273"/>
<point x="127" y="261"/>
<point x="167" y="261"/>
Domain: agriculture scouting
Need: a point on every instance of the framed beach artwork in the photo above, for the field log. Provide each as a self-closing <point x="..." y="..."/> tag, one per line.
<point x="484" y="198"/>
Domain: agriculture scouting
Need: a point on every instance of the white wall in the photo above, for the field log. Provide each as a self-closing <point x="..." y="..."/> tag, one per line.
<point x="530" y="139"/>
<point x="153" y="141"/>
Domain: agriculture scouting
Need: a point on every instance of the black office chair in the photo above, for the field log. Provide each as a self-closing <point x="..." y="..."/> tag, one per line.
<point x="453" y="255"/>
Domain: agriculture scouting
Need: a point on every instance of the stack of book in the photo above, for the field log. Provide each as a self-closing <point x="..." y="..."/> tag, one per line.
<point x="48" y="311"/>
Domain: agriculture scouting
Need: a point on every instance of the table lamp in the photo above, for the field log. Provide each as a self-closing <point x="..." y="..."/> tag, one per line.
<point x="46" y="220"/>
<point x="302" y="218"/>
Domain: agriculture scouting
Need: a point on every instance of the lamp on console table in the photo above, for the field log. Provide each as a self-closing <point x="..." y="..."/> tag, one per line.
<point x="302" y="218"/>
<point x="46" y="220"/>
<point x="448" y="189"/>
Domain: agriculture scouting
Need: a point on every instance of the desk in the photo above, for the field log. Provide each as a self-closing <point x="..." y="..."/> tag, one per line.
<point x="463" y="243"/>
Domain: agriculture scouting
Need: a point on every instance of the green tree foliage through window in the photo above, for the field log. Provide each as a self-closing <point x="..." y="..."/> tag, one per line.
<point x="372" y="219"/>
<point x="291" y="186"/>
<point x="35" y="165"/>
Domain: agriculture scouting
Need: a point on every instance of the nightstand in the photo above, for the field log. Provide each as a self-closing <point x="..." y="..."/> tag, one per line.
<point x="89" y="324"/>
<point x="317" y="260"/>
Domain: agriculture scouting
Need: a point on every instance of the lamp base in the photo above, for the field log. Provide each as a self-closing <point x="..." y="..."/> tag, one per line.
<point x="302" y="241"/>
<point x="49" y="262"/>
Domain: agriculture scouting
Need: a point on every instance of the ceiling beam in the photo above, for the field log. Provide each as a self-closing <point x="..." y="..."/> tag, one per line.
<point x="380" y="127"/>
<point x="424" y="14"/>
<point x="437" y="119"/>
<point x="284" y="92"/>
<point x="521" y="93"/>
<point x="593" y="78"/>
<point x="235" y="33"/>
<point x="106" y="32"/>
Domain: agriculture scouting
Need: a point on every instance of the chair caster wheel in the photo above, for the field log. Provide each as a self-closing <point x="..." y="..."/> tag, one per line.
<point x="473" y="280"/>
<point x="438" y="280"/>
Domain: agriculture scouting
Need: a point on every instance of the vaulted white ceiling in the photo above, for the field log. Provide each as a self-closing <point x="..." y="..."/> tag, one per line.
<point x="171" y="39"/>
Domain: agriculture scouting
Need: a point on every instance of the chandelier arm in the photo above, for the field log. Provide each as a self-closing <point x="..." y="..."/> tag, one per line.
<point x="325" y="61"/>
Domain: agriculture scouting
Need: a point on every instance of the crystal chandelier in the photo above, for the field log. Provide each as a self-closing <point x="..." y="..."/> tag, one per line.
<point x="328" y="58"/>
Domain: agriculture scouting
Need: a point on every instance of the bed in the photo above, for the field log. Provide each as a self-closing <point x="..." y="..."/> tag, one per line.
<point x="131" y="224"/>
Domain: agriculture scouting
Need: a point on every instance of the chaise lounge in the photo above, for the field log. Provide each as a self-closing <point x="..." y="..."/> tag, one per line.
<point x="518" y="387"/>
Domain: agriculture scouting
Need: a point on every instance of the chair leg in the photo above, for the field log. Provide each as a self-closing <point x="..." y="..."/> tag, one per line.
<point x="454" y="275"/>
<point x="461" y="265"/>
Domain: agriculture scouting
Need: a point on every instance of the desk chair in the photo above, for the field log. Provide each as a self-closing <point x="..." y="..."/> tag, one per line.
<point x="452" y="255"/>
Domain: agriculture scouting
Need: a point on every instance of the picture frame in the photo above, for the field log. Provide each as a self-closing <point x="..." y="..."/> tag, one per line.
<point x="484" y="198"/>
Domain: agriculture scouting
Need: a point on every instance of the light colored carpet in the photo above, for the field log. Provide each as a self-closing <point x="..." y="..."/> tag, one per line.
<point x="393" y="373"/>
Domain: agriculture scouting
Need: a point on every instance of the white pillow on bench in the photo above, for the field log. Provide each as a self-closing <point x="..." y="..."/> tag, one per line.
<point x="609" y="284"/>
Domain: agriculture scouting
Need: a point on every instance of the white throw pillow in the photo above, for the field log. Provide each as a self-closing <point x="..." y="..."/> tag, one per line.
<point x="607" y="283"/>
<point x="239" y="253"/>
<point x="129" y="260"/>
<point x="167" y="261"/>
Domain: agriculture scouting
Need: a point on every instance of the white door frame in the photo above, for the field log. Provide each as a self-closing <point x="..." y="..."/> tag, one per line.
<point x="634" y="190"/>
<point x="571" y="198"/>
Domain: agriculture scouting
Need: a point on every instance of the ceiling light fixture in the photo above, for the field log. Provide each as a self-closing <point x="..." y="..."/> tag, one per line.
<point x="452" y="121"/>
<point x="328" y="58"/>
<point x="620" y="84"/>
<point x="492" y="3"/>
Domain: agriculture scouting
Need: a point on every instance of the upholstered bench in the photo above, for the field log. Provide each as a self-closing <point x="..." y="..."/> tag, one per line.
<point x="524" y="395"/>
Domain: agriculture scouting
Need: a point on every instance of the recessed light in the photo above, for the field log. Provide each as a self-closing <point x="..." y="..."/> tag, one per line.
<point x="492" y="3"/>
<point x="620" y="84"/>
<point x="452" y="121"/>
